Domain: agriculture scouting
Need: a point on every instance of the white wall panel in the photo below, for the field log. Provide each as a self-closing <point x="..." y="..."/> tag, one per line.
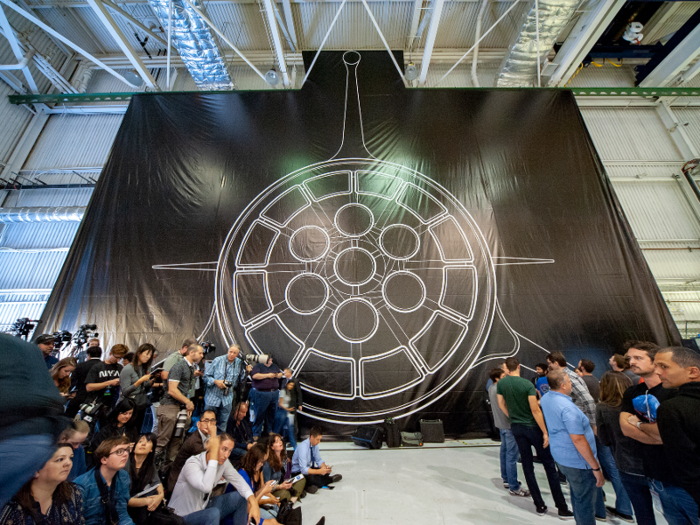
<point x="670" y="216"/>
<point x="22" y="270"/>
<point x="50" y="197"/>
<point x="74" y="141"/>
<point x="689" y="118"/>
<point x="39" y="236"/>
<point x="632" y="134"/>
<point x="642" y="171"/>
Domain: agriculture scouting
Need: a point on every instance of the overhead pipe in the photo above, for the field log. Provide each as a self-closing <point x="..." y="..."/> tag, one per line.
<point x="42" y="214"/>
<point x="21" y="65"/>
<point x="477" y="38"/>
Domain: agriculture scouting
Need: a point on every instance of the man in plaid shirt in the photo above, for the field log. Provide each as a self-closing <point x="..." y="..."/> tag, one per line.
<point x="221" y="378"/>
<point x="579" y="391"/>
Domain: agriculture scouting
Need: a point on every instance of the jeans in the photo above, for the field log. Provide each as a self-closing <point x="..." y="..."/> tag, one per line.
<point x="623" y="504"/>
<point x="203" y="517"/>
<point x="637" y="489"/>
<point x="222" y="414"/>
<point x="527" y="437"/>
<point x="20" y="458"/>
<point x="509" y="460"/>
<point x="583" y="493"/>
<point x="284" y="426"/>
<point x="678" y="506"/>
<point x="265" y="410"/>
<point x="231" y="504"/>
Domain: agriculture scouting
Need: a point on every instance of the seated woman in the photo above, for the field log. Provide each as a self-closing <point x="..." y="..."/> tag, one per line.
<point x="116" y="424"/>
<point x="251" y="471"/>
<point x="278" y="467"/>
<point x="47" y="499"/>
<point x="143" y="474"/>
<point x="60" y="373"/>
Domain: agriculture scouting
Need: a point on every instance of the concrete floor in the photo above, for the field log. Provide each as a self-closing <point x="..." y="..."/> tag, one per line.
<point x="456" y="483"/>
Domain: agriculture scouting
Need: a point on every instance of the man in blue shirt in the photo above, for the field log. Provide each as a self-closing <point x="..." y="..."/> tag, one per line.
<point x="572" y="442"/>
<point x="221" y="378"/>
<point x="105" y="489"/>
<point x="307" y="461"/>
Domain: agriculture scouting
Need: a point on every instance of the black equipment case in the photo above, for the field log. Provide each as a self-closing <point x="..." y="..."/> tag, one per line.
<point x="368" y="437"/>
<point x="432" y="431"/>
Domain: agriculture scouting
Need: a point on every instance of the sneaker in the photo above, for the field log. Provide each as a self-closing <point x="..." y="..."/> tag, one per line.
<point x="505" y="485"/>
<point x="302" y="495"/>
<point x="312" y="489"/>
<point x="541" y="511"/>
<point x="565" y="514"/>
<point x="598" y="518"/>
<point x="520" y="492"/>
<point x="614" y="512"/>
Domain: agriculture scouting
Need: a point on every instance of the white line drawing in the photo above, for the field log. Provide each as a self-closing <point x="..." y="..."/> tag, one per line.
<point x="367" y="278"/>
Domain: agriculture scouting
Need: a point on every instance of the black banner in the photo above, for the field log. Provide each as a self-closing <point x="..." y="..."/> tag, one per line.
<point x="387" y="244"/>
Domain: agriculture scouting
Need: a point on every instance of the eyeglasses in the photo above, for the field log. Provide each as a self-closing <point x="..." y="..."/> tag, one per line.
<point x="208" y="420"/>
<point x="120" y="452"/>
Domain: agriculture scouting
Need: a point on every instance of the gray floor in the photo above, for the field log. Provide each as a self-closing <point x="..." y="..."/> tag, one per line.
<point x="458" y="483"/>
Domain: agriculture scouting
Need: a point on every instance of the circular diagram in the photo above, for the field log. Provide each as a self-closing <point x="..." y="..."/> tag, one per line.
<point x="367" y="278"/>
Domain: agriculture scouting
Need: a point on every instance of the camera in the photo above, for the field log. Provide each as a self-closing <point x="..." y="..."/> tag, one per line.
<point x="90" y="410"/>
<point x="61" y="338"/>
<point x="180" y="424"/>
<point x="254" y="359"/>
<point x="22" y="326"/>
<point x="208" y="346"/>
<point x="226" y="390"/>
<point x="85" y="332"/>
<point x="156" y="374"/>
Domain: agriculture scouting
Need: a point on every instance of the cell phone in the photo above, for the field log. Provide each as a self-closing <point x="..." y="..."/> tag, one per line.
<point x="298" y="477"/>
<point x="273" y="483"/>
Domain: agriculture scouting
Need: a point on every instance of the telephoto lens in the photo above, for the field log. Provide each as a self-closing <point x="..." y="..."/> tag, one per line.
<point x="180" y="424"/>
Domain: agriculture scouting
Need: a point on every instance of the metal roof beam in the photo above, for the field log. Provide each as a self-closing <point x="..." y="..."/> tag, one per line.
<point x="677" y="56"/>
<point x="135" y="22"/>
<point x="595" y="18"/>
<point x="430" y="40"/>
<point x="17" y="50"/>
<point x="276" y="41"/>
<point x="101" y="11"/>
<point x="289" y="18"/>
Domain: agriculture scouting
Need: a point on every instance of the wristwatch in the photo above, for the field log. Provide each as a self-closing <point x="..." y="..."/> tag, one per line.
<point x="639" y="425"/>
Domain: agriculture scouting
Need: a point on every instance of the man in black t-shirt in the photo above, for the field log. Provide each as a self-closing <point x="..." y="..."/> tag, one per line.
<point x="102" y="382"/>
<point x="264" y="396"/>
<point x="638" y="421"/>
<point x="79" y="379"/>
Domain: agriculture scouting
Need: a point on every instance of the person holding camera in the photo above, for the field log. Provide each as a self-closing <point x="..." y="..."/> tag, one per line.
<point x="79" y="380"/>
<point x="221" y="379"/>
<point x="135" y="382"/>
<point x="176" y="408"/>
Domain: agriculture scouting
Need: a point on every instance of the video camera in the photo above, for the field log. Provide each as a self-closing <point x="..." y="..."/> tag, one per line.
<point x="91" y="411"/>
<point x="22" y="326"/>
<point x="85" y="332"/>
<point x="61" y="338"/>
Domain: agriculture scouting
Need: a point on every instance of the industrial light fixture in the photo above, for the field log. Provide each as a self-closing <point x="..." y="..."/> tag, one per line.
<point x="271" y="77"/>
<point x="133" y="78"/>
<point x="411" y="72"/>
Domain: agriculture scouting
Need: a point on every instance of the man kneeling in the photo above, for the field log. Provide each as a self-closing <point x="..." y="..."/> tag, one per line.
<point x="192" y="498"/>
<point x="307" y="461"/>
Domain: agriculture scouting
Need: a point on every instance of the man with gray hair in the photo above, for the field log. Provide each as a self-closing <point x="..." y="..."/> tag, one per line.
<point x="573" y="446"/>
<point x="221" y="379"/>
<point x="180" y="380"/>
<point x="679" y="426"/>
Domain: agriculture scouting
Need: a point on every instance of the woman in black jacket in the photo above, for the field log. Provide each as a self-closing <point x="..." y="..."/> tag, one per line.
<point x="116" y="424"/>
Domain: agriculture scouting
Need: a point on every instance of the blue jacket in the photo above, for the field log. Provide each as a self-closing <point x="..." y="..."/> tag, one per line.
<point x="93" y="511"/>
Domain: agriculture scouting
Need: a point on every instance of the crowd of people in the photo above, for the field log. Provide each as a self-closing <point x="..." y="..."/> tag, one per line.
<point x="114" y="440"/>
<point x="137" y="444"/>
<point x="638" y="428"/>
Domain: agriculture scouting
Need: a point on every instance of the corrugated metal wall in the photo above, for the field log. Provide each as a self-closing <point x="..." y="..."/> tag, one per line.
<point x="644" y="165"/>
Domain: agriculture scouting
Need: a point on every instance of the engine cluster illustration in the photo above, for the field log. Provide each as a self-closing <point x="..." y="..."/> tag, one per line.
<point x="367" y="278"/>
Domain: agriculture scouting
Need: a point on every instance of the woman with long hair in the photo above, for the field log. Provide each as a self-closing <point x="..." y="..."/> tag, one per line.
<point x="60" y="372"/>
<point x="143" y="475"/>
<point x="251" y="471"/>
<point x="116" y="424"/>
<point x="278" y="467"/>
<point x="135" y="383"/>
<point x="623" y="448"/>
<point x="47" y="499"/>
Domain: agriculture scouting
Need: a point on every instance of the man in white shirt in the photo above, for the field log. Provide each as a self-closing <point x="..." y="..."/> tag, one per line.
<point x="192" y="499"/>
